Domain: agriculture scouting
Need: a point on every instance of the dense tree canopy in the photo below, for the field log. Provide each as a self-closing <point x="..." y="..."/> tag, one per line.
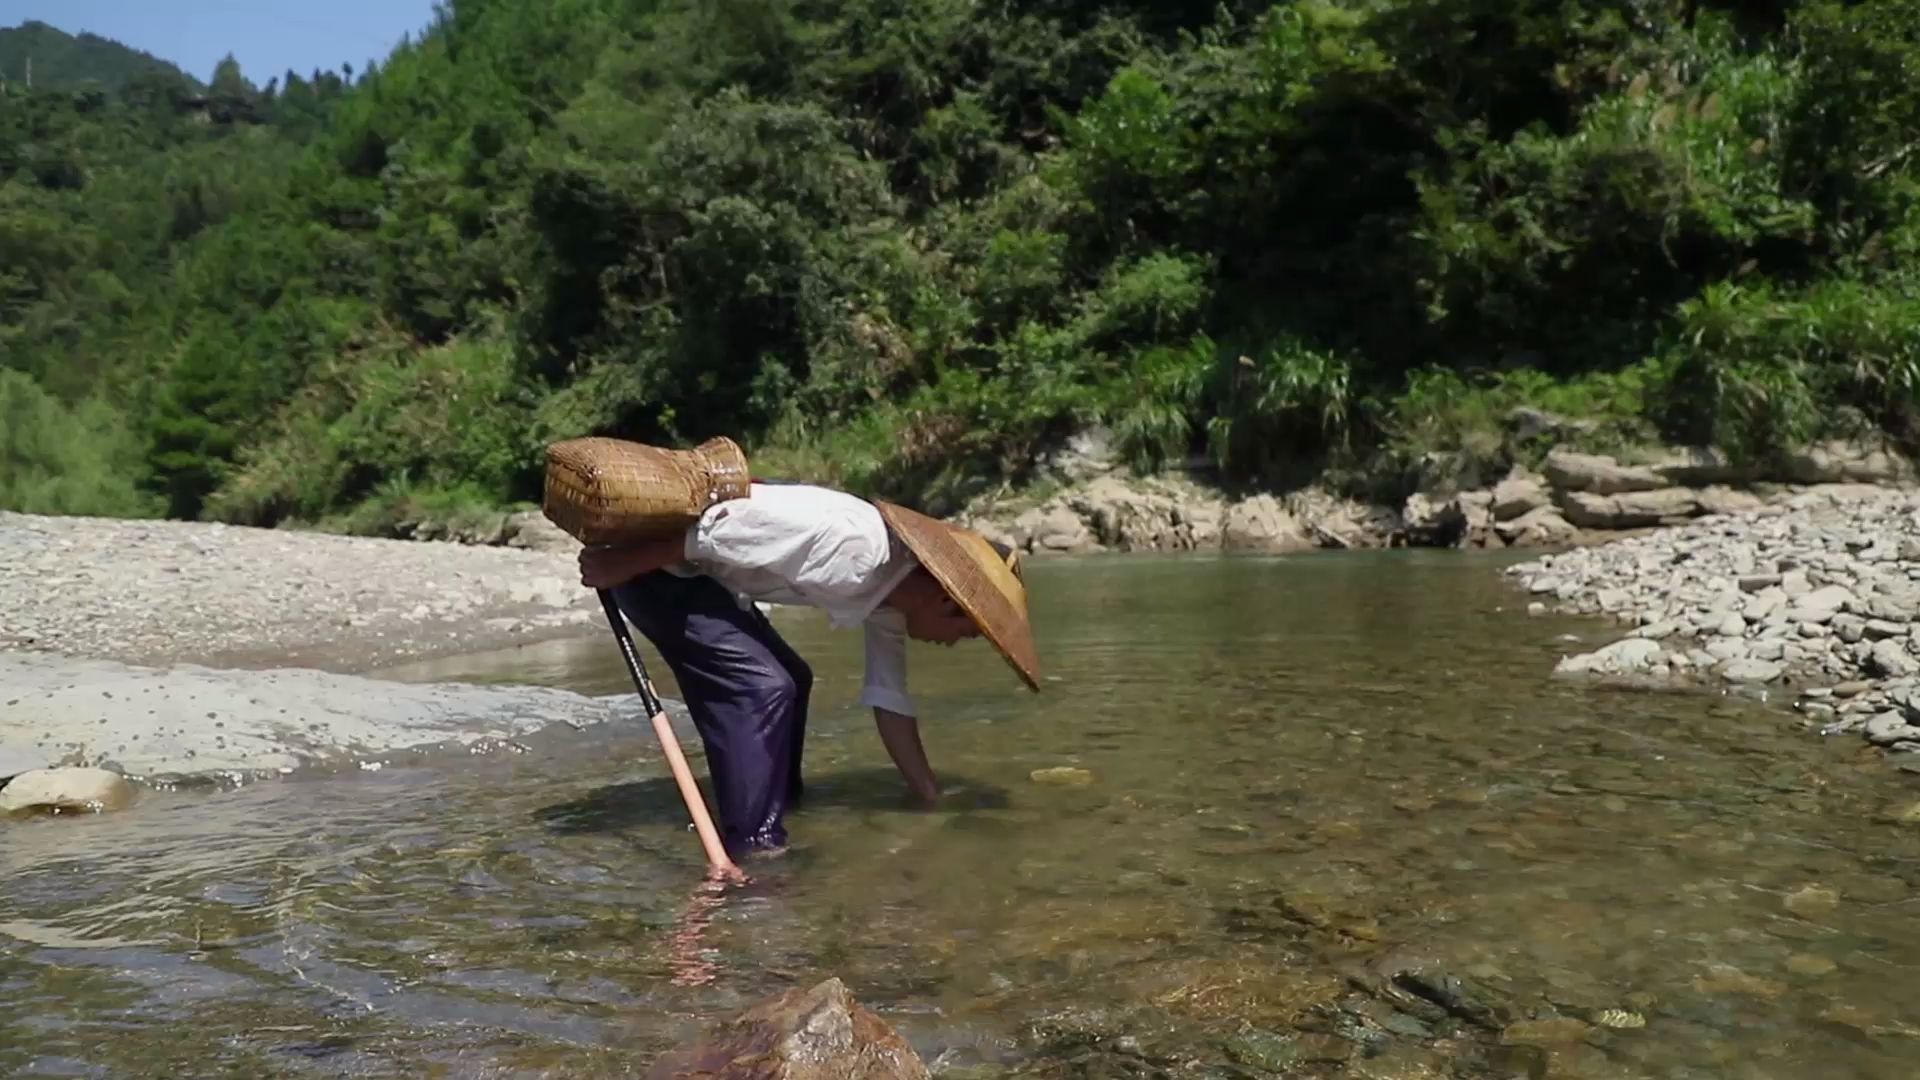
<point x="904" y="245"/>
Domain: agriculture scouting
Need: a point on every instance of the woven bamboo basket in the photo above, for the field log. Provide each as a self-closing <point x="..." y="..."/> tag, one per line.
<point x="615" y="491"/>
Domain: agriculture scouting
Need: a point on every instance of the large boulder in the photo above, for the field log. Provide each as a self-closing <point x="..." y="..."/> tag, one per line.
<point x="1147" y="516"/>
<point x="1051" y="527"/>
<point x="1260" y="523"/>
<point x="807" y="1033"/>
<point x="1521" y="493"/>
<point x="1698" y="466"/>
<point x="1717" y="499"/>
<point x="1463" y="520"/>
<point x="1543" y="526"/>
<point x="1598" y="474"/>
<point x="1847" y="463"/>
<point x="1629" y="509"/>
<point x="1338" y="522"/>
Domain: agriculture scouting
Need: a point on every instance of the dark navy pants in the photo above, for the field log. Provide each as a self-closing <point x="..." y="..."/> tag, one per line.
<point x="746" y="689"/>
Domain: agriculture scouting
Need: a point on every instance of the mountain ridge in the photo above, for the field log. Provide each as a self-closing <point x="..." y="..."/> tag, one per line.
<point x="64" y="61"/>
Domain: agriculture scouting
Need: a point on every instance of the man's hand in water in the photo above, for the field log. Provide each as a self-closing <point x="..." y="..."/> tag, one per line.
<point x="608" y="567"/>
<point x="901" y="735"/>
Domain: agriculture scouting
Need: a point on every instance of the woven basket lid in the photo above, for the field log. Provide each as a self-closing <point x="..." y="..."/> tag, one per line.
<point x="986" y="584"/>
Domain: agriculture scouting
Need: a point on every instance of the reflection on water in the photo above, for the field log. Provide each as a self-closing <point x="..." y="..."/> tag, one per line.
<point x="1341" y="823"/>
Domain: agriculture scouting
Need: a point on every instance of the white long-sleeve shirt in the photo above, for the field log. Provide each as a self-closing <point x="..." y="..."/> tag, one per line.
<point x="800" y="544"/>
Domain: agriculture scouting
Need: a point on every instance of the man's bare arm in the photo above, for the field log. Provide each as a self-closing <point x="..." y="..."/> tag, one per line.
<point x="901" y="734"/>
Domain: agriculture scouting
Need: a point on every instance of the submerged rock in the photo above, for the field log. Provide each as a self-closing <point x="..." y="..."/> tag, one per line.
<point x="812" y="1033"/>
<point x="66" y="790"/>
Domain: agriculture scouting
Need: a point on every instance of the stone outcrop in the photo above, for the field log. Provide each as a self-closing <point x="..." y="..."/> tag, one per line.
<point x="1568" y="471"/>
<point x="807" y="1033"/>
<point x="1262" y="523"/>
<point x="1575" y="498"/>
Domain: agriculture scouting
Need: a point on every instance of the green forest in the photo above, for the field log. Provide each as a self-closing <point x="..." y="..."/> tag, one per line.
<point x="906" y="246"/>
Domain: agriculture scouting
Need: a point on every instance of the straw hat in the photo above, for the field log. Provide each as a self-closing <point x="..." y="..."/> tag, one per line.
<point x="983" y="578"/>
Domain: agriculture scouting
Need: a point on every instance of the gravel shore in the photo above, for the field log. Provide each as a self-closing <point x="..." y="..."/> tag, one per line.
<point x="157" y="592"/>
<point x="1817" y="598"/>
<point x="171" y="650"/>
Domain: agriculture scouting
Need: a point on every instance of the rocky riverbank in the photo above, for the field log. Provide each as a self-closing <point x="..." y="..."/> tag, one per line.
<point x="1087" y="501"/>
<point x="1817" y="598"/>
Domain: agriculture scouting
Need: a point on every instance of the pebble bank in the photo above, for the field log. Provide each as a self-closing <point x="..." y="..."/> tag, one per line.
<point x="1816" y="598"/>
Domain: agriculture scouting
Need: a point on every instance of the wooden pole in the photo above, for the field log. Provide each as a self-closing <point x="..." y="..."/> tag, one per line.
<point x="717" y="860"/>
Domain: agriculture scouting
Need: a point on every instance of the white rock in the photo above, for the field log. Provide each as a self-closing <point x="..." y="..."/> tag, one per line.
<point x="1726" y="648"/>
<point x="1631" y="656"/>
<point x="71" y="789"/>
<point x="1764" y="603"/>
<point x="1750" y="671"/>
<point x="1831" y="598"/>
<point x="1890" y="658"/>
<point x="1889" y="727"/>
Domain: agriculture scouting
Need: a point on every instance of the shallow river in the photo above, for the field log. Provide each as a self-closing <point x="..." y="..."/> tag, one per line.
<point x="1340" y="821"/>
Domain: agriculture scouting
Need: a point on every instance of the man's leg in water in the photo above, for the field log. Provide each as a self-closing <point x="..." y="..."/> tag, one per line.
<point x="743" y="699"/>
<point x="802" y="694"/>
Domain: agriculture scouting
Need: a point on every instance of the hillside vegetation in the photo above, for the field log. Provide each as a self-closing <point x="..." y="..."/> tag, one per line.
<point x="63" y="62"/>
<point x="907" y="245"/>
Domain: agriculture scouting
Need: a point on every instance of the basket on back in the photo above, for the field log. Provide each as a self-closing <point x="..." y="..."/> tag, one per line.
<point x="613" y="491"/>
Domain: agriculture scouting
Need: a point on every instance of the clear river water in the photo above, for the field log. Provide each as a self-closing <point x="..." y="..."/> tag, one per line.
<point x="1335" y="817"/>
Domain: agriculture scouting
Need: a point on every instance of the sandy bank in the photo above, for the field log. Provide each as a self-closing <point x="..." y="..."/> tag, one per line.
<point x="176" y="722"/>
<point x="155" y="592"/>
<point x="173" y="650"/>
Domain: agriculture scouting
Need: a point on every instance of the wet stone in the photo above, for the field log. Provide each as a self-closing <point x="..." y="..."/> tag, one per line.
<point x="1811" y="965"/>
<point x="1564" y="1029"/>
<point x="1264" y="1050"/>
<point x="1810" y="901"/>
<point x="1891" y="727"/>
<point x="1469" y="1001"/>
<point x="1721" y="979"/>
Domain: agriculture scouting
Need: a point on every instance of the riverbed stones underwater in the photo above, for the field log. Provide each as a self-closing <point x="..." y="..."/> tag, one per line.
<point x="1817" y="597"/>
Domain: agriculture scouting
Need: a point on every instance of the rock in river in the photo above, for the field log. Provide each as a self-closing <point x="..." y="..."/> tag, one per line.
<point x="807" y="1033"/>
<point x="1620" y="658"/>
<point x="1750" y="671"/>
<point x="66" y="790"/>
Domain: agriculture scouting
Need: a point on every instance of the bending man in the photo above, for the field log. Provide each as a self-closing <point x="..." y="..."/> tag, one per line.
<point x="883" y="567"/>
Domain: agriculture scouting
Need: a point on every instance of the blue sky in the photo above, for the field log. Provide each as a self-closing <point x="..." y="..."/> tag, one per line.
<point x="266" y="36"/>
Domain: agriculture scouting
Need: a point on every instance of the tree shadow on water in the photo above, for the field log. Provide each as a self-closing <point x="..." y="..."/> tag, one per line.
<point x="656" y="800"/>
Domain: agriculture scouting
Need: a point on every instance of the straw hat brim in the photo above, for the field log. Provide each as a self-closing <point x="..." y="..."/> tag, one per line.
<point x="984" y="584"/>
